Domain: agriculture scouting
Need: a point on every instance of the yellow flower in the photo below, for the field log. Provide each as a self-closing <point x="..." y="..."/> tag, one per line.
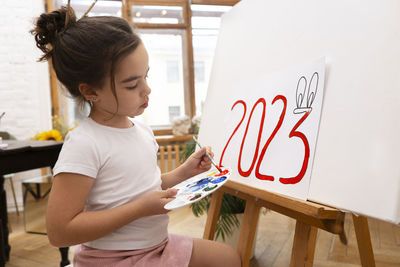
<point x="49" y="135"/>
<point x="60" y="130"/>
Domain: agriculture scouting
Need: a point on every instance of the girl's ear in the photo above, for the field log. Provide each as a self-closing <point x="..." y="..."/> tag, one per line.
<point x="88" y="92"/>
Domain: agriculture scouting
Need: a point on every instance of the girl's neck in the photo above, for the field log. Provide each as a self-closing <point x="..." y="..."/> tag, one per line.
<point x="110" y="120"/>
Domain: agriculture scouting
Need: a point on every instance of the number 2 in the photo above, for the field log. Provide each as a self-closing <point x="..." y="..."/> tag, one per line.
<point x="237" y="127"/>
<point x="277" y="127"/>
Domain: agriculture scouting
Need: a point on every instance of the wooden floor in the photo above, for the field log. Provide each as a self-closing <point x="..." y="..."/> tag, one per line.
<point x="273" y="246"/>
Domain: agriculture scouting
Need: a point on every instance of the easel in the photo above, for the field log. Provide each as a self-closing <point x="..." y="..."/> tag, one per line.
<point x="309" y="218"/>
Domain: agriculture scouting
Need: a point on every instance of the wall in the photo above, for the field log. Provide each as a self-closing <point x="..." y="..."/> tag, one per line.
<point x="24" y="83"/>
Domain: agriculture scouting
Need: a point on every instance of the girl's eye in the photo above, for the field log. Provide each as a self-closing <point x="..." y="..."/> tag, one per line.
<point x="131" y="87"/>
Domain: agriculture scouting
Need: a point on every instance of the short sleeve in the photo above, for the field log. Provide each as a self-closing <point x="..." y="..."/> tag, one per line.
<point x="149" y="131"/>
<point x="78" y="155"/>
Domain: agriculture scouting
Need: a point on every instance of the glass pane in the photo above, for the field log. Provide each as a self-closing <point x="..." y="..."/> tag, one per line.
<point x="157" y="14"/>
<point x="206" y="21"/>
<point x="71" y="114"/>
<point x="165" y="76"/>
<point x="209" y="10"/>
<point x="101" y="8"/>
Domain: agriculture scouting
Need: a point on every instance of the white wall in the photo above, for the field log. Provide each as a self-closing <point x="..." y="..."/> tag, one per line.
<point x="24" y="83"/>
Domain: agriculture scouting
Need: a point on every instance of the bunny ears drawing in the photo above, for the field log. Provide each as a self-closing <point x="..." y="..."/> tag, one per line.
<point x="304" y="101"/>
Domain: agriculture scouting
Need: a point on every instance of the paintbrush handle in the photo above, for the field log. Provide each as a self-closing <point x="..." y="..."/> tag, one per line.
<point x="208" y="155"/>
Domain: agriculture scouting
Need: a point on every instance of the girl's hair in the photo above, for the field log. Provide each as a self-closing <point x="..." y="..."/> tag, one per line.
<point x="84" y="50"/>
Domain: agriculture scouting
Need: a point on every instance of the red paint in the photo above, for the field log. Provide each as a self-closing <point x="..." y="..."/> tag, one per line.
<point x="247" y="173"/>
<point x="277" y="127"/>
<point x="219" y="168"/>
<point x="221" y="173"/>
<point x="237" y="127"/>
<point x="294" y="133"/>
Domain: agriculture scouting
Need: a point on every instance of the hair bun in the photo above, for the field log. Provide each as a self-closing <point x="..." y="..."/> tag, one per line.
<point x="48" y="27"/>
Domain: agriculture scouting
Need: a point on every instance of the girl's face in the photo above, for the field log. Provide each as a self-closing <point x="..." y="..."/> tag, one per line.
<point x="131" y="89"/>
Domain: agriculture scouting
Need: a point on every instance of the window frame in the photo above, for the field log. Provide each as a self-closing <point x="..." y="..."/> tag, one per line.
<point x="187" y="46"/>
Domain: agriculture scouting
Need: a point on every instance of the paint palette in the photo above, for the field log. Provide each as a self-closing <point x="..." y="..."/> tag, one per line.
<point x="197" y="187"/>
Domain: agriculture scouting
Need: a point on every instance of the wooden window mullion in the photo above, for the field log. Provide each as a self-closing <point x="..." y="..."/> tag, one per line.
<point x="55" y="106"/>
<point x="190" y="99"/>
<point x="215" y="2"/>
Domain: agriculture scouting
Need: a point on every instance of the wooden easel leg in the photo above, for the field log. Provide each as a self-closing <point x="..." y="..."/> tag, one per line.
<point x="248" y="231"/>
<point x="364" y="241"/>
<point x="342" y="234"/>
<point x="213" y="215"/>
<point x="304" y="241"/>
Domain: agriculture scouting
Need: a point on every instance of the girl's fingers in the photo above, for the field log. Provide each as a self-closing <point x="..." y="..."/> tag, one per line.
<point x="170" y="192"/>
<point x="209" y="151"/>
<point x="205" y="163"/>
<point x="206" y="159"/>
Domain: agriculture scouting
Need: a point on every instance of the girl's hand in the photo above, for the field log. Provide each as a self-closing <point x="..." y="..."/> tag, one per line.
<point x="153" y="202"/>
<point x="198" y="162"/>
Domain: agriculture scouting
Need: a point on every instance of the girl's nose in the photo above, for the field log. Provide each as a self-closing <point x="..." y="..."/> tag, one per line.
<point x="147" y="89"/>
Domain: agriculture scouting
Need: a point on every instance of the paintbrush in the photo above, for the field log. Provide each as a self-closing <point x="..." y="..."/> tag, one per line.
<point x="208" y="155"/>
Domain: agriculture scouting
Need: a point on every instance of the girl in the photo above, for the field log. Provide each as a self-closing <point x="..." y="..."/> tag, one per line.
<point x="108" y="194"/>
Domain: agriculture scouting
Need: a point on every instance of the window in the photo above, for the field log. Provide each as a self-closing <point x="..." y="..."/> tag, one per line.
<point x="165" y="76"/>
<point x="174" y="112"/>
<point x="172" y="71"/>
<point x="199" y="74"/>
<point x="173" y="45"/>
<point x="157" y="14"/>
<point x="206" y="21"/>
<point x="101" y="8"/>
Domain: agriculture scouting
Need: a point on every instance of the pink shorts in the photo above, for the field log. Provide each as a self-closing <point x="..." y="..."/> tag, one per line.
<point x="175" y="251"/>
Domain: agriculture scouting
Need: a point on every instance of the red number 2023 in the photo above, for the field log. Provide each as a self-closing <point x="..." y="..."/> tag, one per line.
<point x="293" y="133"/>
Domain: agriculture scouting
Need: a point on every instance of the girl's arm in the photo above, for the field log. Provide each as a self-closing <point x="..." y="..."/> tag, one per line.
<point x="67" y="223"/>
<point x="197" y="163"/>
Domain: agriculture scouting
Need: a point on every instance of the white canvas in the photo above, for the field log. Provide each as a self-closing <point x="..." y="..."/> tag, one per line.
<point x="270" y="129"/>
<point x="356" y="158"/>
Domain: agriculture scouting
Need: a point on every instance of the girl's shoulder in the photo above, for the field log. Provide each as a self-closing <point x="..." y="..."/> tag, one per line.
<point x="143" y="126"/>
<point x="80" y="153"/>
<point x="82" y="134"/>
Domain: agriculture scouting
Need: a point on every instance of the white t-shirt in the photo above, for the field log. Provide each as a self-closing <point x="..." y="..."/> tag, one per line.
<point x="123" y="163"/>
